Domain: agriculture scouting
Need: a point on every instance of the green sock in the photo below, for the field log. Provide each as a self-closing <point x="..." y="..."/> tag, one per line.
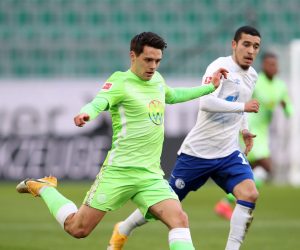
<point x="180" y="239"/>
<point x="60" y="207"/>
<point x="230" y="197"/>
<point x="179" y="245"/>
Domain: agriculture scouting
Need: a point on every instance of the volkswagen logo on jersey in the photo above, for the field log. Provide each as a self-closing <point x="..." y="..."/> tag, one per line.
<point x="156" y="112"/>
<point x="179" y="183"/>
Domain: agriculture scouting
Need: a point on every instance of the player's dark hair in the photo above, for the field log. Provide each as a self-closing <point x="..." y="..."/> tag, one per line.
<point x="246" y="30"/>
<point x="268" y="54"/>
<point x="146" y="39"/>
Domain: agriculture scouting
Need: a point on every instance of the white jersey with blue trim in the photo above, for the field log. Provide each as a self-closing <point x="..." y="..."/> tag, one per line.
<point x="221" y="114"/>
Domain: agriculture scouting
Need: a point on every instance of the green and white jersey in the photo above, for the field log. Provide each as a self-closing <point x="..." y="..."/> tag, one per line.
<point x="137" y="108"/>
<point x="270" y="94"/>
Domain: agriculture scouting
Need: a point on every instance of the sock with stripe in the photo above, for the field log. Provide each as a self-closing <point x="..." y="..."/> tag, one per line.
<point x="180" y="239"/>
<point x="239" y="224"/>
<point x="59" y="206"/>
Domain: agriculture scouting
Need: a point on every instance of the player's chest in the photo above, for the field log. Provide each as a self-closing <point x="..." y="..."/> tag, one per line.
<point x="237" y="87"/>
<point x="145" y="98"/>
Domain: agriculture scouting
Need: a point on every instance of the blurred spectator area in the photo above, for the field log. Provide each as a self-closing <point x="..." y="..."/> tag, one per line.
<point x="71" y="38"/>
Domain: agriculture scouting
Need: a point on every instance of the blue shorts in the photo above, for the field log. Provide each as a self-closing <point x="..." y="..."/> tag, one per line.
<point x="191" y="172"/>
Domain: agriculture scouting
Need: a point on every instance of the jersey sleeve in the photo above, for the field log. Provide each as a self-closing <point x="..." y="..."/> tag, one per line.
<point x="93" y="109"/>
<point x="177" y="95"/>
<point x="207" y="77"/>
<point x="113" y="89"/>
<point x="244" y="124"/>
<point x="212" y="103"/>
<point x="110" y="94"/>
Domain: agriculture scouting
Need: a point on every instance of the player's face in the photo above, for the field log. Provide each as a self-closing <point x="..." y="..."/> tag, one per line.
<point x="270" y="66"/>
<point x="145" y="65"/>
<point x="245" y="50"/>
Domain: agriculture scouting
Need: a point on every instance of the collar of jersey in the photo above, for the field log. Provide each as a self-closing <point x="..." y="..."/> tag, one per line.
<point x="134" y="76"/>
<point x="237" y="67"/>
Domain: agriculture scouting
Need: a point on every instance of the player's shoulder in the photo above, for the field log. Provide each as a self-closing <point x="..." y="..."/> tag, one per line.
<point x="280" y="84"/>
<point x="220" y="61"/>
<point x="253" y="74"/>
<point x="158" y="77"/>
<point x="114" y="81"/>
<point x="118" y="76"/>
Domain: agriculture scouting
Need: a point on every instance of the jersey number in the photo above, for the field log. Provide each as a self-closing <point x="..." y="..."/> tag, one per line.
<point x="244" y="160"/>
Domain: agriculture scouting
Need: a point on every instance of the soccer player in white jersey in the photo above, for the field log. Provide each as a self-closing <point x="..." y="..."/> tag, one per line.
<point x="271" y="92"/>
<point x="211" y="149"/>
<point x="136" y="100"/>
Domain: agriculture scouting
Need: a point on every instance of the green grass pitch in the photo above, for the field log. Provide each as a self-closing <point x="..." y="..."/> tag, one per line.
<point x="26" y="224"/>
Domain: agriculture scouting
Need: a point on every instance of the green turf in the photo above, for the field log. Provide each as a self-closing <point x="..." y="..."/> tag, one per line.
<point x="25" y="223"/>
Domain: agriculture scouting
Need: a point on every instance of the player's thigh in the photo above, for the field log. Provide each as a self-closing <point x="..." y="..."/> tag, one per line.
<point x="232" y="170"/>
<point x="152" y="190"/>
<point x="112" y="188"/>
<point x="189" y="174"/>
<point x="170" y="213"/>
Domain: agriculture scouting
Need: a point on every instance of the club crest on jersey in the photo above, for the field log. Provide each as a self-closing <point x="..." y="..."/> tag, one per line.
<point x="107" y="86"/>
<point x="156" y="112"/>
<point x="179" y="183"/>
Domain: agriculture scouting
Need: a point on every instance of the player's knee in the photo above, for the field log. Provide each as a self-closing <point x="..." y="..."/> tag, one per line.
<point x="77" y="232"/>
<point x="251" y="196"/>
<point x="183" y="220"/>
<point x="255" y="195"/>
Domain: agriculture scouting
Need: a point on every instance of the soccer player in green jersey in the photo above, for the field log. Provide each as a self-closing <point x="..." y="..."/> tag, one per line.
<point x="131" y="171"/>
<point x="270" y="92"/>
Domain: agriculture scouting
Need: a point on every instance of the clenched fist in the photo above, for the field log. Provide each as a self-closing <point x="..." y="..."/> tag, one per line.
<point x="81" y="119"/>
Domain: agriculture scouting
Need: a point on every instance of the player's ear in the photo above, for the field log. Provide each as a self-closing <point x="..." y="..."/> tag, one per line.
<point x="233" y="44"/>
<point x="132" y="55"/>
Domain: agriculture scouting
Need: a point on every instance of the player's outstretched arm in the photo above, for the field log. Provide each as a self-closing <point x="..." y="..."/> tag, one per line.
<point x="177" y="95"/>
<point x="90" y="111"/>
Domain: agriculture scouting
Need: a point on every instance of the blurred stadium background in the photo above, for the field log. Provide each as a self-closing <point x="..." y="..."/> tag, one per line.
<point x="55" y="56"/>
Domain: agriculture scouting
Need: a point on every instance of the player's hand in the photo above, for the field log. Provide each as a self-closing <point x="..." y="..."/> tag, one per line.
<point x="81" y="119"/>
<point x="252" y="106"/>
<point x="217" y="76"/>
<point x="248" y="140"/>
